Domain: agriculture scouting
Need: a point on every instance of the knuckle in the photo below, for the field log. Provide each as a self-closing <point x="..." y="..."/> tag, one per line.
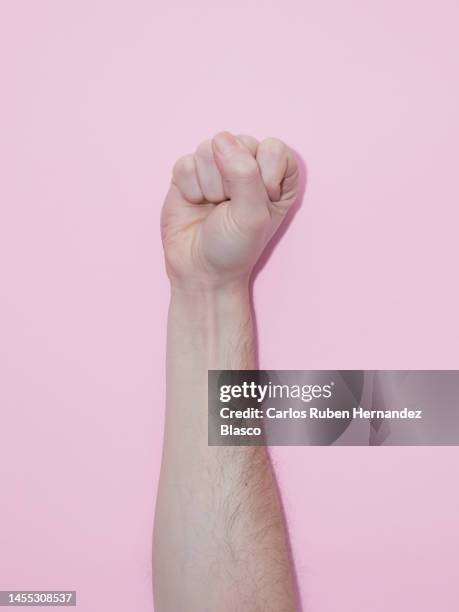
<point x="249" y="141"/>
<point x="274" y="146"/>
<point x="293" y="162"/>
<point x="204" y="149"/>
<point x="184" y="166"/>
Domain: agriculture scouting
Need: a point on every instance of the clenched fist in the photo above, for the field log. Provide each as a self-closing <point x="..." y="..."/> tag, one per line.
<point x="224" y="203"/>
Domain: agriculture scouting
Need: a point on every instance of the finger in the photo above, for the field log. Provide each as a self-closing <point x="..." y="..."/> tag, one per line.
<point x="209" y="177"/>
<point x="274" y="159"/>
<point x="249" y="141"/>
<point x="241" y="177"/>
<point x="184" y="176"/>
<point x="251" y="144"/>
<point x="289" y="186"/>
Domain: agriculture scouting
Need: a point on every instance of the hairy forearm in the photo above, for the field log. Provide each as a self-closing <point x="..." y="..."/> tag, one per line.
<point x="220" y="539"/>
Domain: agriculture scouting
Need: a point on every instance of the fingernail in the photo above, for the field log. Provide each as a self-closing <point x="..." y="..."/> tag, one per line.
<point x="224" y="141"/>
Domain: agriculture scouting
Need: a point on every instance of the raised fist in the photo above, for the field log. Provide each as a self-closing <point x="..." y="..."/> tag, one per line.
<point x="224" y="203"/>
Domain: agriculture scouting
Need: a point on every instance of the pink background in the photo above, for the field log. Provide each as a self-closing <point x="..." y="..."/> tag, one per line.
<point x="97" y="100"/>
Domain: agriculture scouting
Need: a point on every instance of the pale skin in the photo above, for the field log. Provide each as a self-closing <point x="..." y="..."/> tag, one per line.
<point x="220" y="540"/>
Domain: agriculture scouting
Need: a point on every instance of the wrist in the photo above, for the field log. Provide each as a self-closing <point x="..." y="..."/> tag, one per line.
<point x="212" y="292"/>
<point x="217" y="323"/>
<point x="216" y="314"/>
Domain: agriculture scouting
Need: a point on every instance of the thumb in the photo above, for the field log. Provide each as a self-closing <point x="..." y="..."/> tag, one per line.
<point x="241" y="177"/>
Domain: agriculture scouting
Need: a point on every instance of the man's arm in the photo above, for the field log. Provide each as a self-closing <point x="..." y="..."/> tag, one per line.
<point x="220" y="541"/>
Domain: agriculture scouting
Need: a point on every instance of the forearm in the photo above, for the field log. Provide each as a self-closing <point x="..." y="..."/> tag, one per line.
<point x="220" y="540"/>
